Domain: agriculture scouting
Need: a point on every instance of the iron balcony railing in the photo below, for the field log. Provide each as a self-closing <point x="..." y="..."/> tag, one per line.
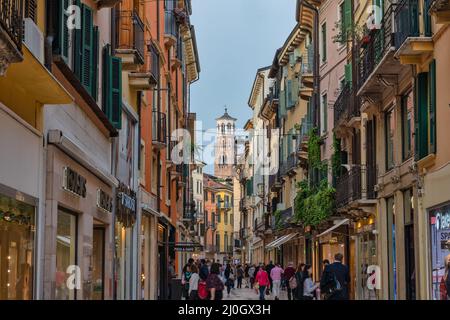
<point x="153" y="62"/>
<point x="11" y="20"/>
<point x="375" y="45"/>
<point x="289" y="164"/>
<point x="243" y="233"/>
<point x="159" y="131"/>
<point x="242" y="205"/>
<point x="406" y="21"/>
<point x="190" y="211"/>
<point x="308" y="61"/>
<point x="345" y="106"/>
<point x="125" y="39"/>
<point x="358" y="183"/>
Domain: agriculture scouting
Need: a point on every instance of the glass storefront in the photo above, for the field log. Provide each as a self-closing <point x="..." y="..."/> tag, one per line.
<point x="367" y="254"/>
<point x="146" y="260"/>
<point x="66" y="255"/>
<point x="440" y="247"/>
<point x="17" y="236"/>
<point x="123" y="270"/>
<point x="98" y="263"/>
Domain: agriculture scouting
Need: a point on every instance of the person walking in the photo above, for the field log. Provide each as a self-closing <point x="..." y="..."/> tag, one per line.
<point x="240" y="272"/>
<point x="269" y="268"/>
<point x="289" y="275"/>
<point x="186" y="276"/>
<point x="251" y="275"/>
<point x="276" y="275"/>
<point x="262" y="279"/>
<point x="309" y="287"/>
<point x="229" y="278"/>
<point x="246" y="276"/>
<point x="193" y="283"/>
<point x="214" y="284"/>
<point x="203" y="271"/>
<point x="335" y="280"/>
<point x="298" y="292"/>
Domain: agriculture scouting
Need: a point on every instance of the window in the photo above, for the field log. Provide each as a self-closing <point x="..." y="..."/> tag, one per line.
<point x="324" y="42"/>
<point x="225" y="242"/>
<point x="66" y="253"/>
<point x="407" y="124"/>
<point x="389" y="134"/>
<point x="213" y="197"/>
<point x="324" y="115"/>
<point x="227" y="201"/>
<point x="225" y="217"/>
<point x="142" y="163"/>
<point x="218" y="217"/>
<point x="205" y="195"/>
<point x="112" y="87"/>
<point x="391" y="238"/>
<point x="154" y="175"/>
<point x="218" y="242"/>
<point x="168" y="197"/>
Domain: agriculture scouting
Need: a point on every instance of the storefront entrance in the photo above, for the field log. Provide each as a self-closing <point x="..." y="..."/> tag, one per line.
<point x="98" y="262"/>
<point x="17" y="236"/>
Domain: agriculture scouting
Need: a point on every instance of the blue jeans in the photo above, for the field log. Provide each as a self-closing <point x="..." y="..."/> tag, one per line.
<point x="262" y="292"/>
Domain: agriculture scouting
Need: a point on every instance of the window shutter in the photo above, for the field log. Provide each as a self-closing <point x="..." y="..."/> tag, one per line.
<point x="289" y="93"/>
<point x="348" y="17"/>
<point x="295" y="90"/>
<point x="64" y="31"/>
<point x="422" y="115"/>
<point x="291" y="59"/>
<point x="77" y="46"/>
<point x="87" y="48"/>
<point x="432" y="80"/>
<point x="116" y="92"/>
<point x="31" y="9"/>
<point x="95" y="63"/>
<point x="282" y="103"/>
<point x="106" y="90"/>
<point x="348" y="74"/>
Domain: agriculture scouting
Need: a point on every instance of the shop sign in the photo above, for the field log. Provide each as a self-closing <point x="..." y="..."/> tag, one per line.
<point x="74" y="182"/>
<point x="442" y="220"/>
<point x="187" y="247"/>
<point x="104" y="201"/>
<point x="127" y="202"/>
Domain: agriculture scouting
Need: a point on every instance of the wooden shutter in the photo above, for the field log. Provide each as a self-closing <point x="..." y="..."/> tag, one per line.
<point x="116" y="92"/>
<point x="432" y="95"/>
<point x="106" y="74"/>
<point x="347" y="17"/>
<point x="289" y="93"/>
<point x="282" y="110"/>
<point x="31" y="9"/>
<point x="87" y="41"/>
<point x="77" y="46"/>
<point x="95" y="62"/>
<point x="295" y="90"/>
<point x="422" y="116"/>
<point x="63" y="30"/>
<point x="348" y="74"/>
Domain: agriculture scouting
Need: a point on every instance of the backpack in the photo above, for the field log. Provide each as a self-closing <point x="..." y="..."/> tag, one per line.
<point x="293" y="282"/>
<point x="331" y="285"/>
<point x="202" y="290"/>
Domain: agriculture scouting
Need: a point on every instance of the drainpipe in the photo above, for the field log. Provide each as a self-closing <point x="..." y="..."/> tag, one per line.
<point x="316" y="93"/>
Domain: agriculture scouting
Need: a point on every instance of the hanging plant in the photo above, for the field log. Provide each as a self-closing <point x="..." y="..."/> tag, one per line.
<point x="278" y="221"/>
<point x="336" y="162"/>
<point x="347" y="34"/>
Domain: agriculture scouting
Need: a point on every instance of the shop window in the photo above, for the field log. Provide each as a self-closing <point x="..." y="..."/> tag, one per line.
<point x="66" y="253"/>
<point x="98" y="263"/>
<point x="17" y="225"/>
<point x="408" y="124"/>
<point x="392" y="259"/>
<point x="410" y="274"/>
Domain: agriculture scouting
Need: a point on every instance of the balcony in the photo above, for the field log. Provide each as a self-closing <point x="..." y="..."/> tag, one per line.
<point x="289" y="165"/>
<point x="242" y="207"/>
<point x="285" y="220"/>
<point x="243" y="233"/>
<point x="159" y="131"/>
<point x="147" y="78"/>
<point x="11" y="33"/>
<point x="346" y="109"/>
<point x="302" y="143"/>
<point x="263" y="225"/>
<point x="440" y="9"/>
<point x="129" y="42"/>
<point x="274" y="182"/>
<point x="189" y="214"/>
<point x="413" y="44"/>
<point x="357" y="185"/>
<point x="271" y="103"/>
<point x="307" y="67"/>
<point x="170" y="28"/>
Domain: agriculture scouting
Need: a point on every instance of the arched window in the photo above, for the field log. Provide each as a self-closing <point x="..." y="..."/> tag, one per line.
<point x="223" y="128"/>
<point x="229" y="127"/>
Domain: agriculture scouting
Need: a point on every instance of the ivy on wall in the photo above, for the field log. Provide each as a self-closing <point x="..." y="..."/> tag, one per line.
<point x="336" y="161"/>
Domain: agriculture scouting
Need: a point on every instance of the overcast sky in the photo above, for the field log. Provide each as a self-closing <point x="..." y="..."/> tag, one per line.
<point x="235" y="38"/>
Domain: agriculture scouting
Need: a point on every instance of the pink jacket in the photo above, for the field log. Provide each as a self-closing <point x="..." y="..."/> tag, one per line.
<point x="262" y="278"/>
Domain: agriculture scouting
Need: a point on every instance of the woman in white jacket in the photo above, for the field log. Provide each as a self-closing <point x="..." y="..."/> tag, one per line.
<point x="308" y="284"/>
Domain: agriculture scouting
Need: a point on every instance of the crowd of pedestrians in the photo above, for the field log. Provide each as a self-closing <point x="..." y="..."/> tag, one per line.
<point x="204" y="279"/>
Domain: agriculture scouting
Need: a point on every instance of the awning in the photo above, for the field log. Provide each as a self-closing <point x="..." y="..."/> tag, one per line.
<point x="337" y="225"/>
<point x="280" y="241"/>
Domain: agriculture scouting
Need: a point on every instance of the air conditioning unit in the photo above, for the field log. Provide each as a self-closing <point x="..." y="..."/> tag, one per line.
<point x="34" y="39"/>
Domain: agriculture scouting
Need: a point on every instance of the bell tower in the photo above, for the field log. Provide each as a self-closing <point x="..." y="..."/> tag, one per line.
<point x="225" y="146"/>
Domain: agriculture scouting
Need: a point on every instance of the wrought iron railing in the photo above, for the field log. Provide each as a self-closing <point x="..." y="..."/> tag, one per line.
<point x="153" y="61"/>
<point x="134" y="40"/>
<point x="289" y="164"/>
<point x="345" y="106"/>
<point x="356" y="184"/>
<point x="159" y="131"/>
<point x="375" y="45"/>
<point x="406" y="21"/>
<point x="11" y="20"/>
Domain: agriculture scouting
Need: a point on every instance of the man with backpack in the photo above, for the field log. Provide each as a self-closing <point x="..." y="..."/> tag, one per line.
<point x="335" y="280"/>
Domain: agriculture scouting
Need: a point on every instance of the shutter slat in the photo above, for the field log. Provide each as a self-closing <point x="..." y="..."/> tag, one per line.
<point x="95" y="62"/>
<point x="87" y="48"/>
<point x="116" y="92"/>
<point x="432" y="94"/>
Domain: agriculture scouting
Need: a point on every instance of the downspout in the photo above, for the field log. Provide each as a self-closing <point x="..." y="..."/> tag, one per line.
<point x="316" y="92"/>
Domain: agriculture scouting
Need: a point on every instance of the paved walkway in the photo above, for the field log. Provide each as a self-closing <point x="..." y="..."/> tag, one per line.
<point x="249" y="294"/>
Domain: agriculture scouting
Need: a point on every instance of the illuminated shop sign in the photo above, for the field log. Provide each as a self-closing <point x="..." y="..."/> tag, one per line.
<point x="442" y="220"/>
<point x="74" y="182"/>
<point x="104" y="201"/>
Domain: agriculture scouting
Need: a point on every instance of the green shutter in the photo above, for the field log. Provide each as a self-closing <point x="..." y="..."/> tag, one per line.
<point x="95" y="64"/>
<point x="64" y="30"/>
<point x="282" y="109"/>
<point x="348" y="17"/>
<point x="87" y="41"/>
<point x="116" y="92"/>
<point x="427" y="18"/>
<point x="106" y="77"/>
<point x="77" y="48"/>
<point x="348" y="74"/>
<point x="289" y="93"/>
<point x="422" y="116"/>
<point x="432" y="94"/>
<point x="295" y="90"/>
